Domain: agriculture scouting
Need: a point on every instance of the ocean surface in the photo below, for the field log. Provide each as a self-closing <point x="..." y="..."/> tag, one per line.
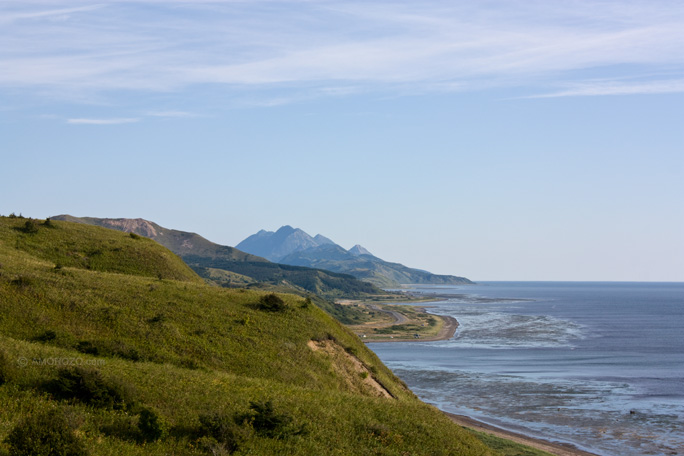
<point x="598" y="365"/>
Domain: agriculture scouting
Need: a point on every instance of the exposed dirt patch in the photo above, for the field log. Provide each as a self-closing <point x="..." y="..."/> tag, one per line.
<point x="139" y="226"/>
<point x="350" y="368"/>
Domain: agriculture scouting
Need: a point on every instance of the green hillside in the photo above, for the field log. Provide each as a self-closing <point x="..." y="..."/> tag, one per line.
<point x="180" y="242"/>
<point x="109" y="345"/>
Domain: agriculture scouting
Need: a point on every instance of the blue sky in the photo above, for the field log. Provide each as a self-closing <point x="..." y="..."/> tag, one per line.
<point x="500" y="140"/>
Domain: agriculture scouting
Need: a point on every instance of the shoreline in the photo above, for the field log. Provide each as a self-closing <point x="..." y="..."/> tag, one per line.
<point x="446" y="333"/>
<point x="555" y="448"/>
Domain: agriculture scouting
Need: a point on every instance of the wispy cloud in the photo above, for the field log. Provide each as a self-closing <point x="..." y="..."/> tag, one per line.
<point x="172" y="114"/>
<point x="84" y="121"/>
<point x="598" y="88"/>
<point x="54" y="14"/>
<point x="313" y="46"/>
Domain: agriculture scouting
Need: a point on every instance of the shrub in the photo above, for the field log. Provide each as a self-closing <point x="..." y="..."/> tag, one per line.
<point x="159" y="318"/>
<point x="151" y="425"/>
<point x="45" y="434"/>
<point x="134" y="236"/>
<point x="87" y="347"/>
<point x="88" y="386"/>
<point x="268" y="423"/>
<point x="221" y="429"/>
<point x="272" y="303"/>
<point x="45" y="336"/>
<point x="30" y="227"/>
<point x="5" y="373"/>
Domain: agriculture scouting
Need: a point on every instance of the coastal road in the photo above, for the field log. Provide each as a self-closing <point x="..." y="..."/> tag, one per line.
<point x="399" y="319"/>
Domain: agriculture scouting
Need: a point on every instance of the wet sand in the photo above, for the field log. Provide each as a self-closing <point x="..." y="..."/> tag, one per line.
<point x="556" y="448"/>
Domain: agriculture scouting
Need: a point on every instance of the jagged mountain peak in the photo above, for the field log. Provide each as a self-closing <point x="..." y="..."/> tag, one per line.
<point x="358" y="249"/>
<point x="295" y="247"/>
<point x="322" y="240"/>
<point x="278" y="244"/>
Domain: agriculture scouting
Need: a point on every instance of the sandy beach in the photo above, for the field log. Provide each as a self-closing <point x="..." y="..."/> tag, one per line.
<point x="447" y="332"/>
<point x="556" y="448"/>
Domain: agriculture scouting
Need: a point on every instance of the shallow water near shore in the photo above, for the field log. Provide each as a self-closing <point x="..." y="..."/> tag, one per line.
<point x="598" y="365"/>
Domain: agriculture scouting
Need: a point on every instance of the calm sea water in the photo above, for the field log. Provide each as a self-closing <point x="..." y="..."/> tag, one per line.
<point x="599" y="365"/>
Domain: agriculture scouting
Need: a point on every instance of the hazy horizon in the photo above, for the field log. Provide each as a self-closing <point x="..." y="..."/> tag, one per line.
<point x="496" y="141"/>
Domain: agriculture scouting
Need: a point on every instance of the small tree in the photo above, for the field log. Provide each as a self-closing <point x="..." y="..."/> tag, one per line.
<point x="151" y="425"/>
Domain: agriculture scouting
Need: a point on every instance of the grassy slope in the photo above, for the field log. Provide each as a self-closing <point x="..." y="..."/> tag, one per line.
<point x="180" y="242"/>
<point x="186" y="348"/>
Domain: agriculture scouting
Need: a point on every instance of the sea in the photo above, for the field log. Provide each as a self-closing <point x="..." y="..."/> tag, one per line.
<point x="596" y="365"/>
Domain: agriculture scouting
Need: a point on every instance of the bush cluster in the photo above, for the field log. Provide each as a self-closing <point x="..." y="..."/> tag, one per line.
<point x="150" y="425"/>
<point x="88" y="386"/>
<point x="224" y="434"/>
<point x="272" y="303"/>
<point x="221" y="433"/>
<point x="266" y="422"/>
<point x="45" y="434"/>
<point x="30" y="227"/>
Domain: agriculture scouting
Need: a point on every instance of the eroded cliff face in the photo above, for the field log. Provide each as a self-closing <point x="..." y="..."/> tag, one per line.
<point x="139" y="226"/>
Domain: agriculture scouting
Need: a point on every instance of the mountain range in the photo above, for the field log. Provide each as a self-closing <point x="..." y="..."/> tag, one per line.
<point x="230" y="267"/>
<point x="293" y="246"/>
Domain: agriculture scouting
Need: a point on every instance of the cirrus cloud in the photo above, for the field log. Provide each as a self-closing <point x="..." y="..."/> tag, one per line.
<point x="175" y="46"/>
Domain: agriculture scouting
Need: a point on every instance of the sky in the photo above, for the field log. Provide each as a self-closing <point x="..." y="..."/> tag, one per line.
<point x="497" y="140"/>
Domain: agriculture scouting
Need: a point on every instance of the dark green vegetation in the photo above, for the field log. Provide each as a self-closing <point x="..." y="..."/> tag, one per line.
<point x="508" y="448"/>
<point x="230" y="267"/>
<point x="45" y="433"/>
<point x="295" y="247"/>
<point x="110" y="345"/>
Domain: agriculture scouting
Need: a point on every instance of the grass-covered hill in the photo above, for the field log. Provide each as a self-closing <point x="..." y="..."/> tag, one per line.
<point x="230" y="267"/>
<point x="110" y="345"/>
<point x="180" y="242"/>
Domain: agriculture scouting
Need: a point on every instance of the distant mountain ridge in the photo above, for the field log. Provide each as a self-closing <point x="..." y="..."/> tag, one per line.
<point x="228" y="266"/>
<point x="295" y="247"/>
<point x="274" y="245"/>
